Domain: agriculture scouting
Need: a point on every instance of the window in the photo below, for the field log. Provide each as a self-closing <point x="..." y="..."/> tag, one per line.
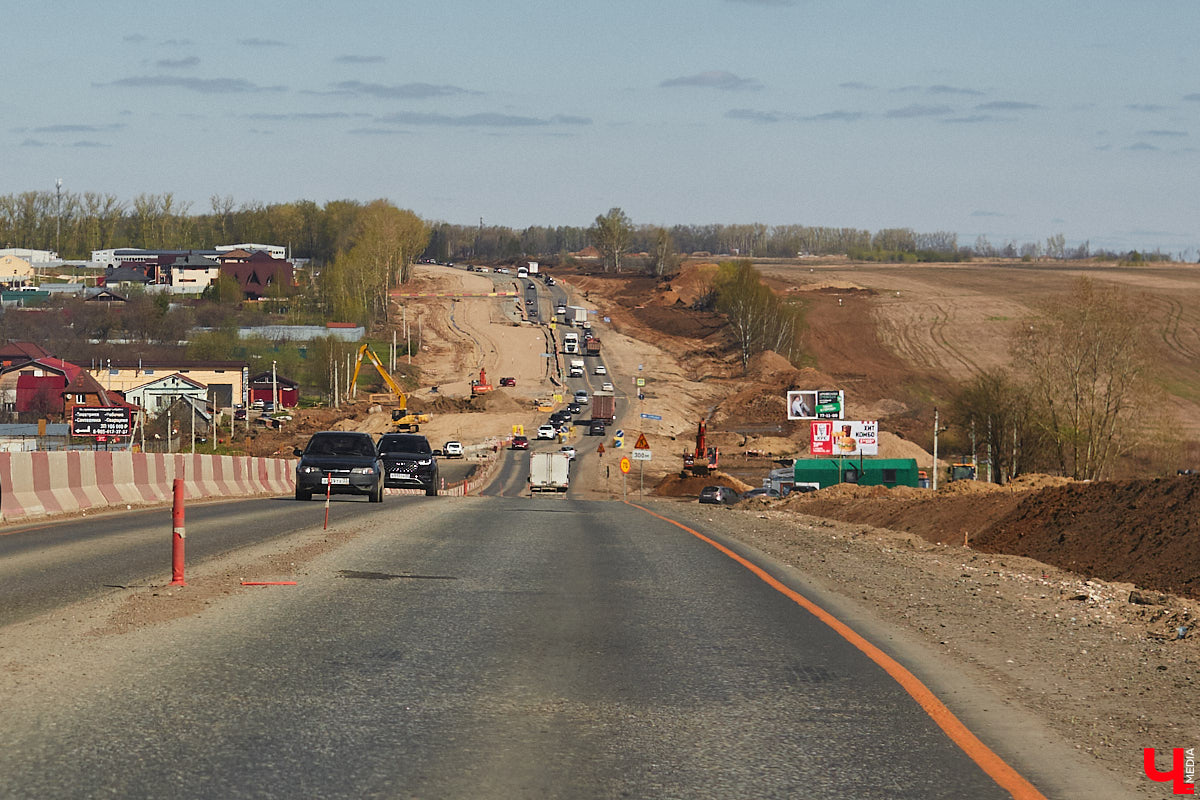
<point x="889" y="476"/>
<point x="81" y="398"/>
<point x="850" y="476"/>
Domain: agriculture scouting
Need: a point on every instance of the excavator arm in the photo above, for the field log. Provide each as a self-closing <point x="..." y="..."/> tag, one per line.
<point x="366" y="352"/>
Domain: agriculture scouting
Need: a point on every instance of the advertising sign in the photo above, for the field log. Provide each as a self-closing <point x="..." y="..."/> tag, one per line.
<point x="845" y="438"/>
<point x="816" y="404"/>
<point x="100" y="421"/>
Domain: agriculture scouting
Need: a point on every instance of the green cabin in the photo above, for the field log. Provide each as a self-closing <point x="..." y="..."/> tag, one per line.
<point x="827" y="472"/>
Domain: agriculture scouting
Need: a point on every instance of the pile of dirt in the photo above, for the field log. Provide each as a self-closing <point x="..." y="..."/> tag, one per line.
<point x="679" y="485"/>
<point x="495" y="400"/>
<point x="439" y="404"/>
<point x="680" y="321"/>
<point x="1145" y="532"/>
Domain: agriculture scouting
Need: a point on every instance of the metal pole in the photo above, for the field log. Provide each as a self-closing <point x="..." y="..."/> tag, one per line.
<point x="274" y="389"/>
<point x="177" y="534"/>
<point x="935" y="438"/>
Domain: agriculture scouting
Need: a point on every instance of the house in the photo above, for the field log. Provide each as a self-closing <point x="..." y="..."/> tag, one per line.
<point x="85" y="390"/>
<point x="258" y="272"/>
<point x="263" y="387"/>
<point x="156" y="395"/>
<point x="17" y="353"/>
<point x="105" y="296"/>
<point x="15" y="270"/>
<point x="124" y="276"/>
<point x="34" y="385"/>
<point x="226" y="380"/>
<point x="193" y="273"/>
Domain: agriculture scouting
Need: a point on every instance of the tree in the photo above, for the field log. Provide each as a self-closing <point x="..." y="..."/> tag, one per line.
<point x="387" y="242"/>
<point x="999" y="411"/>
<point x="745" y="301"/>
<point x="664" y="259"/>
<point x="611" y="234"/>
<point x="1089" y="358"/>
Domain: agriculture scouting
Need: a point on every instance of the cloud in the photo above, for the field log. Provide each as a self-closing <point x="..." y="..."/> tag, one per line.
<point x="200" y="85"/>
<point x="68" y="128"/>
<point x="133" y="38"/>
<point x="1007" y="105"/>
<point x="918" y="110"/>
<point x="716" y="79"/>
<point x="357" y="59"/>
<point x="481" y="120"/>
<point x="750" y="115"/>
<point x="943" y="89"/>
<point x="855" y="85"/>
<point x="1193" y="97"/>
<point x="764" y="2"/>
<point x="256" y="42"/>
<point x="304" y="116"/>
<point x="403" y="91"/>
<point x="1146" y="107"/>
<point x="87" y="144"/>
<point x="177" y="63"/>
<point x="972" y="119"/>
<point x="982" y="213"/>
<point x="1163" y="133"/>
<point x="1142" y="146"/>
<point x="34" y="143"/>
<point x="834" y="116"/>
<point x="377" y="132"/>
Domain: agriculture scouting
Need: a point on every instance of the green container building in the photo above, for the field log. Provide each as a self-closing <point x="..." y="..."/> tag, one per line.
<point x="863" y="471"/>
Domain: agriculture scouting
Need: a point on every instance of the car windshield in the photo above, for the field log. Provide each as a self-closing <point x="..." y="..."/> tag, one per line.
<point x="404" y="444"/>
<point x="341" y="446"/>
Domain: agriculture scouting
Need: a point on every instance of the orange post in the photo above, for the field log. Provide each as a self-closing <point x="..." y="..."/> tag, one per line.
<point x="177" y="535"/>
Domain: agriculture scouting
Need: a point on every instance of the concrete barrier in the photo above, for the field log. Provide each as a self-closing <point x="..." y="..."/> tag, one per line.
<point x="35" y="484"/>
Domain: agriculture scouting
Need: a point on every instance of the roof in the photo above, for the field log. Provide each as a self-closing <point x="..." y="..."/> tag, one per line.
<point x="265" y="378"/>
<point x="27" y="351"/>
<point x="84" y="383"/>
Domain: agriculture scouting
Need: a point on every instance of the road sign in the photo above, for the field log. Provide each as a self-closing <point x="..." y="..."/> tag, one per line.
<point x="652" y="416"/>
<point x="641" y="454"/>
<point x="641" y="381"/>
<point x="625" y="465"/>
<point x="100" y="420"/>
<point x="642" y="444"/>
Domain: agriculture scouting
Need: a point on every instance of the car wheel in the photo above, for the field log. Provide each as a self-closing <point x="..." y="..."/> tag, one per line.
<point x="431" y="491"/>
<point x="376" y="495"/>
<point x="301" y="494"/>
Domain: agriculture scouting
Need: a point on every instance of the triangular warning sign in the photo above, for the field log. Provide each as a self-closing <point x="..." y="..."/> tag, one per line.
<point x="642" y="444"/>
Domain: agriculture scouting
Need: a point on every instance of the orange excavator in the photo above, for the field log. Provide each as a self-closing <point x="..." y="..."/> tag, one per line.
<point x="480" y="386"/>
<point x="703" y="459"/>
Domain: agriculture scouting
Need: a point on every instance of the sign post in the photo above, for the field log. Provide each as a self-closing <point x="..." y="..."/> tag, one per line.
<point x="625" y="467"/>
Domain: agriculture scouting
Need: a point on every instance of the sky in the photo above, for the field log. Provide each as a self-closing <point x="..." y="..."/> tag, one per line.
<point x="1015" y="120"/>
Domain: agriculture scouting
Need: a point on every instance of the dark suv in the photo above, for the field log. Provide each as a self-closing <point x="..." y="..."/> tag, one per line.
<point x="408" y="462"/>
<point x="340" y="462"/>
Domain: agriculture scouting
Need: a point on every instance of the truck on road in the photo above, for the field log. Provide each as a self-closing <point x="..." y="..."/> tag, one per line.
<point x="549" y="472"/>
<point x="576" y="368"/>
<point x="604" y="407"/>
<point x="578" y="315"/>
<point x="591" y="346"/>
<point x="570" y="342"/>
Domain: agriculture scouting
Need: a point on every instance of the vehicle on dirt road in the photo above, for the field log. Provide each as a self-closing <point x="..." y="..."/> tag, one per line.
<point x="339" y="462"/>
<point x="408" y="462"/>
<point x="453" y="450"/>
<point x="719" y="496"/>
<point x="546" y="432"/>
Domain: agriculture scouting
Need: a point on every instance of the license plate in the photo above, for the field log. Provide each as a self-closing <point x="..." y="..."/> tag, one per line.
<point x="336" y="481"/>
<point x="401" y="474"/>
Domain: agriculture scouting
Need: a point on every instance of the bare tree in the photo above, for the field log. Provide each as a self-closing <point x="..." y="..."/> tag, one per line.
<point x="611" y="234"/>
<point x="1089" y="357"/>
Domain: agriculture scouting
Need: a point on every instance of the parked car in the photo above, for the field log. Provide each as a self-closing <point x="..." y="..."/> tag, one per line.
<point x="239" y="413"/>
<point x="453" y="450"/>
<point x="408" y="462"/>
<point x="761" y="494"/>
<point x="508" y="381"/>
<point x="340" y="462"/>
<point x="519" y="443"/>
<point x="546" y="432"/>
<point x="718" y="495"/>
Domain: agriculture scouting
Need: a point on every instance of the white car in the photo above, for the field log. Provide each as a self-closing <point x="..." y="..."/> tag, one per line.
<point x="600" y="370"/>
<point x="453" y="450"/>
<point x="561" y="309"/>
<point x="581" y="397"/>
<point x="606" y="387"/>
<point x="569" y="450"/>
<point x="546" y="432"/>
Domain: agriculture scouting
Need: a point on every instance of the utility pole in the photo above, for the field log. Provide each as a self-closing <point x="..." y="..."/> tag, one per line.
<point x="936" y="431"/>
<point x="274" y="389"/>
<point x="58" y="219"/>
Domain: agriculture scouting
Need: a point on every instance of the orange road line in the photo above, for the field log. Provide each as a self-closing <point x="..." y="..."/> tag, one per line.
<point x="1005" y="776"/>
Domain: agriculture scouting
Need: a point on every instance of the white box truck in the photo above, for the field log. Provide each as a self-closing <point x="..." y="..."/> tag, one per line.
<point x="576" y="369"/>
<point x="549" y="472"/>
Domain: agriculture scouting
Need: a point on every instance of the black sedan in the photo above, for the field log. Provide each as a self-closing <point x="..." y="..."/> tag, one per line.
<point x="408" y="462"/>
<point x="339" y="462"/>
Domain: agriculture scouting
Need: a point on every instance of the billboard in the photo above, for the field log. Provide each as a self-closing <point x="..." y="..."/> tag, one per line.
<point x="100" y="421"/>
<point x="845" y="438"/>
<point x="816" y="404"/>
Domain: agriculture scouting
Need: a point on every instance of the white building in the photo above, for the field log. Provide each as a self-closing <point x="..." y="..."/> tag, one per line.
<point x="34" y="257"/>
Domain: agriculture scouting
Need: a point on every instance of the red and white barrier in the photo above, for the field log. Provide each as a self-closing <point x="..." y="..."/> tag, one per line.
<point x="35" y="484"/>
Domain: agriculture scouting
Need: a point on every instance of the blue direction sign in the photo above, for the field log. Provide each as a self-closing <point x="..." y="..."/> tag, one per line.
<point x="652" y="416"/>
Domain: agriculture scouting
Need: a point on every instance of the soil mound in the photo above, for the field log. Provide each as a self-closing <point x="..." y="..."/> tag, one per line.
<point x="495" y="400"/>
<point x="680" y="486"/>
<point x="1145" y="532"/>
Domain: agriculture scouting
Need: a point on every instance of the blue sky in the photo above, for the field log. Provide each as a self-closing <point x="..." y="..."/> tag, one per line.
<point x="1016" y="120"/>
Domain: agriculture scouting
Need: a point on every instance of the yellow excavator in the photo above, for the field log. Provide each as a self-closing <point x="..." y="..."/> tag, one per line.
<point x="402" y="418"/>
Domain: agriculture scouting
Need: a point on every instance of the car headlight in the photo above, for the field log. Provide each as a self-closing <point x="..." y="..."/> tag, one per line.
<point x="425" y="462"/>
<point x="363" y="471"/>
<point x="307" y="470"/>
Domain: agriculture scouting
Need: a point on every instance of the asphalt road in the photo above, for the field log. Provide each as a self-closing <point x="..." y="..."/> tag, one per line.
<point x="488" y="648"/>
